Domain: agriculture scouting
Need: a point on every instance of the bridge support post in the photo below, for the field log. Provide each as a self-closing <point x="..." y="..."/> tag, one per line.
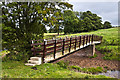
<point x="93" y="49"/>
<point x="90" y="50"/>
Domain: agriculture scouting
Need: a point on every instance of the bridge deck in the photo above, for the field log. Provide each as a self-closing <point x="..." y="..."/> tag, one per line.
<point x="50" y="57"/>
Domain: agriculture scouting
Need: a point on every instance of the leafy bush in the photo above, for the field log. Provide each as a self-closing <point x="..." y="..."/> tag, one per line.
<point x="17" y="56"/>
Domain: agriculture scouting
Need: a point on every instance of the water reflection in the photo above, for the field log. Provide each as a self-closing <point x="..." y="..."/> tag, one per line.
<point x="114" y="74"/>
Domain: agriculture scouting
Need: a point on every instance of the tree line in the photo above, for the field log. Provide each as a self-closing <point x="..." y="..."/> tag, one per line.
<point x="76" y="22"/>
<point x="26" y="21"/>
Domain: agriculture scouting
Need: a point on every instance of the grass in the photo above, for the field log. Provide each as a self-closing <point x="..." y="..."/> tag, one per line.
<point x="17" y="69"/>
<point x="109" y="45"/>
<point x="94" y="56"/>
<point x="51" y="35"/>
<point x="65" y="64"/>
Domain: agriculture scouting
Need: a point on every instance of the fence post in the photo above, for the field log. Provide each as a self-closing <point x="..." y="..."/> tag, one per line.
<point x="33" y="48"/>
<point x="63" y="46"/>
<point x="44" y="50"/>
<point x="75" y="42"/>
<point x="54" y="48"/>
<point x="86" y="39"/>
<point x="70" y="44"/>
<point x="79" y="42"/>
<point x="83" y="40"/>
<point x="89" y="38"/>
<point x="92" y="38"/>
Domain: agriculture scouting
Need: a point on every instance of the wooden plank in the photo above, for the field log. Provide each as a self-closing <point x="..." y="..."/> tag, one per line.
<point x="38" y="40"/>
<point x="50" y="44"/>
<point x="67" y="41"/>
<point x="35" y="48"/>
<point x="38" y="51"/>
<point x="67" y="44"/>
<point x="50" y="51"/>
<point x="66" y="47"/>
<point x="53" y="47"/>
<point x="58" y="42"/>
<point x="59" y="49"/>
<point x="34" y="44"/>
<point x="50" y="48"/>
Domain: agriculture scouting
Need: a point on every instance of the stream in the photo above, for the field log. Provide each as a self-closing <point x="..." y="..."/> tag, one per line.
<point x="113" y="74"/>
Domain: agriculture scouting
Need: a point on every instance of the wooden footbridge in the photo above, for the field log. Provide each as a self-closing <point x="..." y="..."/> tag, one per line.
<point x="52" y="49"/>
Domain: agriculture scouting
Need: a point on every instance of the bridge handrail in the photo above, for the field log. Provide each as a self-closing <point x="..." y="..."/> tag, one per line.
<point x="54" y="45"/>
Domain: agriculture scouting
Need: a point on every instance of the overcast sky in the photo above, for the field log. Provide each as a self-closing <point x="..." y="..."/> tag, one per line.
<point x="107" y="10"/>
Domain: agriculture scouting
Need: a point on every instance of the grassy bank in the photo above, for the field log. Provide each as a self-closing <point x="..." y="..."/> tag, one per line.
<point x="109" y="45"/>
<point x="15" y="69"/>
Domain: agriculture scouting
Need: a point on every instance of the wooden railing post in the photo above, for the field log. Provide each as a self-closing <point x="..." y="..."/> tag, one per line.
<point x="54" y="48"/>
<point x="97" y="38"/>
<point x="63" y="47"/>
<point x="44" y="50"/>
<point x="83" y="40"/>
<point x="70" y="44"/>
<point x="75" y="43"/>
<point x="79" y="41"/>
<point x="89" y="38"/>
<point x="33" y="48"/>
<point x="92" y="38"/>
<point x="86" y="39"/>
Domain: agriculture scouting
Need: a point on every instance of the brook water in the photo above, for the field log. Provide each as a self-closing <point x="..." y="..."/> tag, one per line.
<point x="113" y="74"/>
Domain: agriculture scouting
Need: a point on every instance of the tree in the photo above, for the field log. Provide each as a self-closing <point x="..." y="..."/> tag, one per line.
<point x="93" y="21"/>
<point x="70" y="21"/>
<point x="107" y="25"/>
<point x="57" y="17"/>
<point x="25" y="21"/>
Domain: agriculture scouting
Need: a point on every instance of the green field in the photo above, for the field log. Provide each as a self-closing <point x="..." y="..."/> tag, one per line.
<point x="109" y="47"/>
<point x="17" y="69"/>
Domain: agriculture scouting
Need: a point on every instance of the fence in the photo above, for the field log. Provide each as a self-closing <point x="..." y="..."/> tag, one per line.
<point x="46" y="47"/>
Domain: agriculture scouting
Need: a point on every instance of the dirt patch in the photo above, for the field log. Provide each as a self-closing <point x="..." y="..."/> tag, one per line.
<point x="79" y="59"/>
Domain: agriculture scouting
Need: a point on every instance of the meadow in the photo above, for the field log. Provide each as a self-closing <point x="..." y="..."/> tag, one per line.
<point x="109" y="47"/>
<point x="17" y="69"/>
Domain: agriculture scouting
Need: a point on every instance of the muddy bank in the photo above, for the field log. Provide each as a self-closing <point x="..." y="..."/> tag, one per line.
<point x="78" y="59"/>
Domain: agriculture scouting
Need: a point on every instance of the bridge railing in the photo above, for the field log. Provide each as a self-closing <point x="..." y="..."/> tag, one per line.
<point x="46" y="47"/>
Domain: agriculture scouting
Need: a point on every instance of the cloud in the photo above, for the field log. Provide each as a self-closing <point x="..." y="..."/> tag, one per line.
<point x="93" y="0"/>
<point x="107" y="10"/>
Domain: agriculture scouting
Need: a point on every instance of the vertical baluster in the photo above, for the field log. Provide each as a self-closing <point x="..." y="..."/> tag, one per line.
<point x="63" y="46"/>
<point x="54" y="48"/>
<point x="44" y="50"/>
<point x="79" y="41"/>
<point x="70" y="45"/>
